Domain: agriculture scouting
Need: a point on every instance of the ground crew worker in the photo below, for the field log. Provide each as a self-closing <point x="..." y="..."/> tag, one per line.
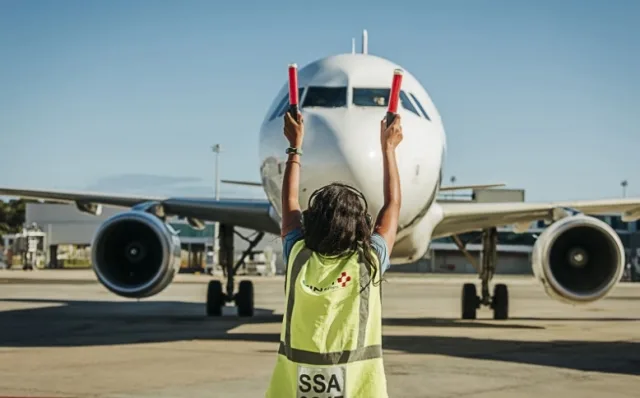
<point x="330" y="341"/>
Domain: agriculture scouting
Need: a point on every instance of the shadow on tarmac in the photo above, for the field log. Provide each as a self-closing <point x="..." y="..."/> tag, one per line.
<point x="453" y="323"/>
<point x="63" y="323"/>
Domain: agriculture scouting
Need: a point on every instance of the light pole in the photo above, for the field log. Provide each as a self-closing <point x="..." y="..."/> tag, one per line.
<point x="624" y="184"/>
<point x="453" y="181"/>
<point x="216" y="226"/>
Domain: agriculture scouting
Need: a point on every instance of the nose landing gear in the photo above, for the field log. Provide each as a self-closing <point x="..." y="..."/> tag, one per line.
<point x="244" y="298"/>
<point x="470" y="302"/>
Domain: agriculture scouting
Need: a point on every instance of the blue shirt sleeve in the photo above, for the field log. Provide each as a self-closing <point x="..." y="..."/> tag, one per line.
<point x="380" y="246"/>
<point x="288" y="241"/>
<point x="377" y="243"/>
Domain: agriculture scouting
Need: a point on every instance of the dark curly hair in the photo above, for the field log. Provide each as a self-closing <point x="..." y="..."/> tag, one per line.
<point x="337" y="222"/>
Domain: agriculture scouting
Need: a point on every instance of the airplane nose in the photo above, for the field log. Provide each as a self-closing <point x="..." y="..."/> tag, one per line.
<point x="359" y="141"/>
<point x="343" y="147"/>
<point x="326" y="162"/>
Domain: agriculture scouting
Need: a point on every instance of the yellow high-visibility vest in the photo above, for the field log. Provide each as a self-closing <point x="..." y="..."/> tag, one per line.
<point x="331" y="337"/>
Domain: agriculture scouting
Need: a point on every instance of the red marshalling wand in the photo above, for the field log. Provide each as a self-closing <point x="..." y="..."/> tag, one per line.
<point x="394" y="96"/>
<point x="293" y="91"/>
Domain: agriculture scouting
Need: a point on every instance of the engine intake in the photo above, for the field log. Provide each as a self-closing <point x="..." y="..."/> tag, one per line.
<point x="578" y="259"/>
<point x="135" y="254"/>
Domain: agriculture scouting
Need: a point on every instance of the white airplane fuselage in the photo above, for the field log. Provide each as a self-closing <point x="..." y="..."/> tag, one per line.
<point x="342" y="110"/>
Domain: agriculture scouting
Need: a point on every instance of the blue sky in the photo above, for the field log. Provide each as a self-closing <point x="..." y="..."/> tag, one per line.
<point x="129" y="96"/>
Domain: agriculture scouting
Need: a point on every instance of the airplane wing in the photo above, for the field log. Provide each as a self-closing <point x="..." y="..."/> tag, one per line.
<point x="258" y="215"/>
<point x="245" y="183"/>
<point x="442" y="189"/>
<point x="464" y="217"/>
<point x="465" y="187"/>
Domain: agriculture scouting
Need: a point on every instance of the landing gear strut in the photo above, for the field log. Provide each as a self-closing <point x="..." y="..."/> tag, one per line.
<point x="216" y="298"/>
<point x="499" y="302"/>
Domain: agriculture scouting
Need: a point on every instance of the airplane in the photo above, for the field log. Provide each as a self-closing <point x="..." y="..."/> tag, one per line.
<point x="576" y="259"/>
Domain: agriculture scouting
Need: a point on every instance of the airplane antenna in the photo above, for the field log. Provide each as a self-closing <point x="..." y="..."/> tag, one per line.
<point x="365" y="42"/>
<point x="353" y="45"/>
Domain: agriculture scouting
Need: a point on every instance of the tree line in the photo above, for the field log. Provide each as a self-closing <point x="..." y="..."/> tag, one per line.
<point x="12" y="215"/>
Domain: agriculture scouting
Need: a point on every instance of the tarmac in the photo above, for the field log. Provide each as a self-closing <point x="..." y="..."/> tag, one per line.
<point x="63" y="335"/>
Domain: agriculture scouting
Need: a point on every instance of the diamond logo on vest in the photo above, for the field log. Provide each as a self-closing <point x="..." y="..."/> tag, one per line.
<point x="344" y="279"/>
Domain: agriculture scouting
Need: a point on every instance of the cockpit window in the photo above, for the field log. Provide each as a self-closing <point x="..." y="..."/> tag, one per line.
<point x="380" y="97"/>
<point x="424" y="113"/>
<point x="284" y="104"/>
<point x="281" y="104"/>
<point x="326" y="97"/>
<point x="406" y="103"/>
<point x="370" y="96"/>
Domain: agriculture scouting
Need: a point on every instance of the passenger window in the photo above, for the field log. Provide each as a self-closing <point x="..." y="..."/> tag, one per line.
<point x="371" y="97"/>
<point x="406" y="103"/>
<point x="326" y="97"/>
<point x="424" y="113"/>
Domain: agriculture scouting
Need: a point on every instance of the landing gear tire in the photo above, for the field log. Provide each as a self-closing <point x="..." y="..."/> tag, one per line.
<point x="469" y="301"/>
<point x="215" y="298"/>
<point x="244" y="298"/>
<point x="500" y="302"/>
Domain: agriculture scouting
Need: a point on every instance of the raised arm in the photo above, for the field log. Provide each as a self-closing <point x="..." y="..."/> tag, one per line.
<point x="291" y="212"/>
<point x="387" y="222"/>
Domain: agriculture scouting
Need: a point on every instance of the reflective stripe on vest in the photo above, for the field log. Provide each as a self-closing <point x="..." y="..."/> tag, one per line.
<point x="331" y="358"/>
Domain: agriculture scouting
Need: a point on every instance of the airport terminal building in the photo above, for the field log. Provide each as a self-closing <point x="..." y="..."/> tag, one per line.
<point x="67" y="234"/>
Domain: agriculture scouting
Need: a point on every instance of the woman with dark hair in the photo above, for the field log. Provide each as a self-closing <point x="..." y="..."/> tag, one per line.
<point x="330" y="343"/>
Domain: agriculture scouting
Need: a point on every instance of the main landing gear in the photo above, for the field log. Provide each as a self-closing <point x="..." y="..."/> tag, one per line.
<point x="216" y="298"/>
<point x="499" y="302"/>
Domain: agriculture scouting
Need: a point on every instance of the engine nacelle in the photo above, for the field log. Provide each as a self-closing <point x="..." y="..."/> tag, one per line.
<point x="578" y="259"/>
<point x="135" y="254"/>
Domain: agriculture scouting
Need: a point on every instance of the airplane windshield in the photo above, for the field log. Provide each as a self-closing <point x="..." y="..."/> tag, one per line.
<point x="420" y="106"/>
<point x="371" y="97"/>
<point x="283" y="105"/>
<point x="406" y="103"/>
<point x="325" y="97"/>
<point x="380" y="97"/>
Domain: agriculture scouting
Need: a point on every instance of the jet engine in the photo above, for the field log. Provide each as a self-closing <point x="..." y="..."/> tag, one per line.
<point x="578" y="259"/>
<point x="135" y="254"/>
